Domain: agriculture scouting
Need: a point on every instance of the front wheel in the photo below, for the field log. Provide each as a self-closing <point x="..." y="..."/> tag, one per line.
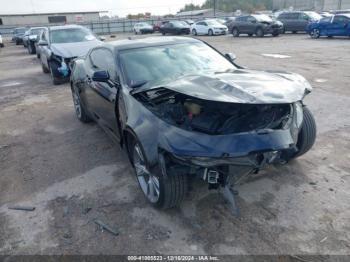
<point x="210" y="32"/>
<point x="307" y="133"/>
<point x="315" y="33"/>
<point x="162" y="190"/>
<point x="80" y="111"/>
<point x="275" y="34"/>
<point x="194" y="32"/>
<point x="235" y="32"/>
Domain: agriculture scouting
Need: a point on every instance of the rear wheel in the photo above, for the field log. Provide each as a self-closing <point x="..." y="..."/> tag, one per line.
<point x="274" y="34"/>
<point x="194" y="32"/>
<point x="259" y="32"/>
<point x="307" y="134"/>
<point x="294" y="32"/>
<point x="235" y="32"/>
<point x="210" y="32"/>
<point x="250" y="35"/>
<point x="31" y="49"/>
<point x="163" y="190"/>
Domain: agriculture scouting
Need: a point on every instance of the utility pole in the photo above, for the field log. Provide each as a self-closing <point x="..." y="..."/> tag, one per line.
<point x="214" y="8"/>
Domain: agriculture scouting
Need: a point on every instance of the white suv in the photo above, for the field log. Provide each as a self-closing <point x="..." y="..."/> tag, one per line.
<point x="208" y="27"/>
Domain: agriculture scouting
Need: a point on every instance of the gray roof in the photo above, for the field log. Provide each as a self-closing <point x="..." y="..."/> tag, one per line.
<point x="58" y="27"/>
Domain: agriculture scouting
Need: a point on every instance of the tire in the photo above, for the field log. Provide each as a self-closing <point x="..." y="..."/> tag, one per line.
<point x="45" y="70"/>
<point x="163" y="33"/>
<point x="31" y="50"/>
<point x="135" y="32"/>
<point x="162" y="191"/>
<point x="55" y="80"/>
<point x="307" y="133"/>
<point x="80" y="111"/>
<point x="17" y="42"/>
<point x="294" y="32"/>
<point x="250" y="35"/>
<point x="275" y="34"/>
<point x="283" y="30"/>
<point x="38" y="55"/>
<point x="194" y="32"/>
<point x="235" y="32"/>
<point x="315" y="33"/>
<point x="210" y="32"/>
<point x="259" y="32"/>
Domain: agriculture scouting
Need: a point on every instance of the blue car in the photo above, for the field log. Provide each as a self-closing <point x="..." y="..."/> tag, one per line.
<point x="336" y="25"/>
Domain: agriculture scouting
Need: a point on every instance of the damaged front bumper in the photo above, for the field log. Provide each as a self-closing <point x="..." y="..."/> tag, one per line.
<point x="60" y="67"/>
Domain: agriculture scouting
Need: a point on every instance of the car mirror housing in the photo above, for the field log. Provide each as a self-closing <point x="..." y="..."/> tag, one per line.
<point x="42" y="43"/>
<point x="230" y="56"/>
<point x="100" y="76"/>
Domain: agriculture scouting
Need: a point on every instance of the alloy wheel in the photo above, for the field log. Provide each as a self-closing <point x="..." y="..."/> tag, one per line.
<point x="148" y="182"/>
<point x="315" y="33"/>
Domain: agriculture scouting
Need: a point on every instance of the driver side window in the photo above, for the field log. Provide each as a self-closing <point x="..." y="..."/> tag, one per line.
<point x="103" y="59"/>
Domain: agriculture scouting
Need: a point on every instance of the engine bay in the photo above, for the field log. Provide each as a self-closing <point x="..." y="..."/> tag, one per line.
<point x="211" y="117"/>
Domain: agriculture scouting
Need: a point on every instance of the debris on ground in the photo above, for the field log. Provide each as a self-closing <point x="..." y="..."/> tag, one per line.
<point x="23" y="208"/>
<point x="106" y="227"/>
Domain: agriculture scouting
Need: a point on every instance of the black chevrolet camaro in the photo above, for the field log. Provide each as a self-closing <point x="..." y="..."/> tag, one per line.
<point x="182" y="110"/>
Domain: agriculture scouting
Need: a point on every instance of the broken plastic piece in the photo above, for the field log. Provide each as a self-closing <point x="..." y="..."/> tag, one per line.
<point x="106" y="227"/>
<point x="24" y="208"/>
<point x="63" y="69"/>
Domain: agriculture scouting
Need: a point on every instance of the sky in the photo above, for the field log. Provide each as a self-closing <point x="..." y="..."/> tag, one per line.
<point x="115" y="7"/>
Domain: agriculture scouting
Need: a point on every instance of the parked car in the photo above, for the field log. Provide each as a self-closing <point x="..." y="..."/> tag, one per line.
<point x="143" y="28"/>
<point x="38" y="48"/>
<point x="259" y="25"/>
<point x="297" y="21"/>
<point x="25" y="38"/>
<point x="158" y="24"/>
<point x="18" y="34"/>
<point x="336" y="25"/>
<point x="175" y="28"/>
<point x="1" y="42"/>
<point x="31" y="38"/>
<point x="182" y="111"/>
<point x="59" y="45"/>
<point x="208" y="27"/>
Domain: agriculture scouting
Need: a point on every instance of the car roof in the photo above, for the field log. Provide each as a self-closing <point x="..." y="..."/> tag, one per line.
<point x="41" y="27"/>
<point x="345" y="14"/>
<point x="149" y="42"/>
<point x="59" y="27"/>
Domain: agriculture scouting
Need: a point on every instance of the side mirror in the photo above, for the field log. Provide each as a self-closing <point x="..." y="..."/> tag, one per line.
<point x="102" y="38"/>
<point x="42" y="43"/>
<point x="230" y="57"/>
<point x="100" y="76"/>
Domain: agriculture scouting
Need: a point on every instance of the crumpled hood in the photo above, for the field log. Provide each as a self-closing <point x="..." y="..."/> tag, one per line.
<point x="244" y="86"/>
<point x="67" y="50"/>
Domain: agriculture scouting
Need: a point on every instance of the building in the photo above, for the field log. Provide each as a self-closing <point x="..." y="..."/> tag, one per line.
<point x="318" y="5"/>
<point x="48" y="18"/>
<point x="203" y="13"/>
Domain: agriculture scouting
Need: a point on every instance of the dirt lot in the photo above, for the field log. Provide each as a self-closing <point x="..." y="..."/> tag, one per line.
<point x="73" y="174"/>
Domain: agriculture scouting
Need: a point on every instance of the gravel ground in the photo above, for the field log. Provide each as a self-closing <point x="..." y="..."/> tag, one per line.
<point x="73" y="174"/>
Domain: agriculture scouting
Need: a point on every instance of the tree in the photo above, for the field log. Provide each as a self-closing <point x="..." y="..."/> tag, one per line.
<point x="232" y="5"/>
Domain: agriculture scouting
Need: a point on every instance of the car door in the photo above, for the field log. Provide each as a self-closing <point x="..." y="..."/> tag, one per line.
<point x="303" y="21"/>
<point x="293" y="24"/>
<point x="250" y="25"/>
<point x="101" y="96"/>
<point x="45" y="52"/>
<point x="199" y="28"/>
<point x="339" y="26"/>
